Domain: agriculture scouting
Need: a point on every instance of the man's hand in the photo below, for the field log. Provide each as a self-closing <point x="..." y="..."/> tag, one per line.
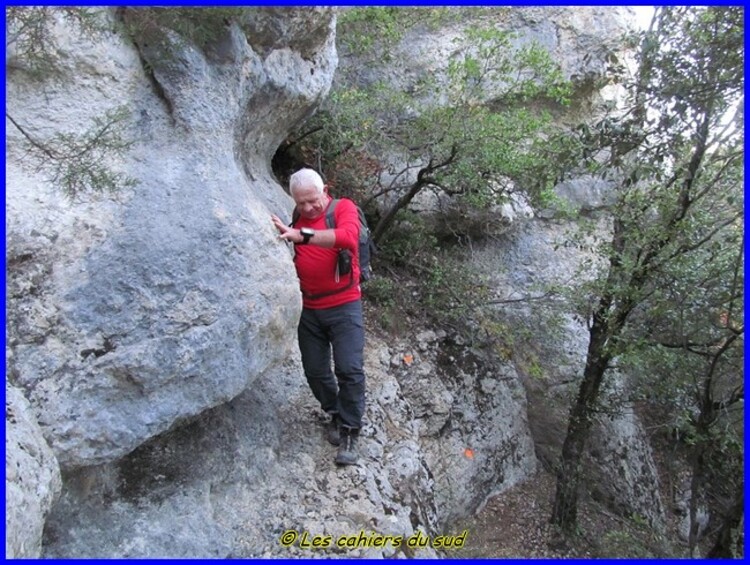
<point x="285" y="232"/>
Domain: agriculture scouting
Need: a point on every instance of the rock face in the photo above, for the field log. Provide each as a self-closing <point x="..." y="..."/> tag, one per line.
<point x="153" y="331"/>
<point x="584" y="40"/>
<point x="470" y="412"/>
<point x="32" y="478"/>
<point x="130" y="313"/>
<point x="623" y="475"/>
<point x="240" y="476"/>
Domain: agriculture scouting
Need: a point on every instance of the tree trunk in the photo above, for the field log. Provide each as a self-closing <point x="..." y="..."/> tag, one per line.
<point x="386" y="221"/>
<point x="565" y="508"/>
<point x="423" y="179"/>
<point x="698" y="458"/>
<point x="729" y="541"/>
<point x="709" y="412"/>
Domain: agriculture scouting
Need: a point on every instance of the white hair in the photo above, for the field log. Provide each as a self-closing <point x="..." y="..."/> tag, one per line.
<point x="305" y="178"/>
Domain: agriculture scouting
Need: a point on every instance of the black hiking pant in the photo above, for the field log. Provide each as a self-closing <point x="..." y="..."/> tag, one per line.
<point x="341" y="330"/>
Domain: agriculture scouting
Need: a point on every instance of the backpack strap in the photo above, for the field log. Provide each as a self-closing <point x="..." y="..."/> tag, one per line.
<point x="331" y="224"/>
<point x="331" y="292"/>
<point x="330" y="218"/>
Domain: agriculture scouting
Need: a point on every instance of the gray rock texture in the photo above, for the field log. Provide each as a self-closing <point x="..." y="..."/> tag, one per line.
<point x="584" y="40"/>
<point x="130" y="313"/>
<point x="470" y="413"/>
<point x="681" y="506"/>
<point x="153" y="331"/>
<point x="235" y="479"/>
<point x="623" y="475"/>
<point x="32" y="478"/>
<point x="238" y="477"/>
<point x="547" y="341"/>
<point x="581" y="195"/>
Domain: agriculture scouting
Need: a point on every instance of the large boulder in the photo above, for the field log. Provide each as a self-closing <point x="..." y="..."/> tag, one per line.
<point x="128" y="313"/>
<point x="32" y="478"/>
<point x="470" y="412"/>
<point x="242" y="475"/>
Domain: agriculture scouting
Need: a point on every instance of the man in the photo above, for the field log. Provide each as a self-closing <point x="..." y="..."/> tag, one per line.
<point x="332" y="307"/>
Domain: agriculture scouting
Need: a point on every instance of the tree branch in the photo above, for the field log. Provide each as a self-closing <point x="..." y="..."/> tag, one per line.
<point x="37" y="144"/>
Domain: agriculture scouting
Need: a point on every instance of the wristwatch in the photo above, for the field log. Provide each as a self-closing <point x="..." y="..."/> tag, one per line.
<point x="307" y="233"/>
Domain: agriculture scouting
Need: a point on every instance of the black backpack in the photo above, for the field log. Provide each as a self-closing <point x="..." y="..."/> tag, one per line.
<point x="366" y="245"/>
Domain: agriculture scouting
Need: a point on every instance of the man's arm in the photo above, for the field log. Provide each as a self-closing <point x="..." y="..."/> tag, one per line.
<point x="322" y="238"/>
<point x="347" y="225"/>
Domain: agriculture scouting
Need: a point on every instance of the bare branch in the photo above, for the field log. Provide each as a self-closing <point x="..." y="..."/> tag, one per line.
<point x="34" y="142"/>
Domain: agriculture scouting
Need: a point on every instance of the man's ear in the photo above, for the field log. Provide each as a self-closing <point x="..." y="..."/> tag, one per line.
<point x="325" y="189"/>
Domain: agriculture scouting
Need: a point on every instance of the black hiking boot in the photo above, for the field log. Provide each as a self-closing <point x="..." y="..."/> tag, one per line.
<point x="347" y="453"/>
<point x="333" y="434"/>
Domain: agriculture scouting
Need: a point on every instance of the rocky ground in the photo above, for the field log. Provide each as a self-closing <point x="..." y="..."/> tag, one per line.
<point x="515" y="525"/>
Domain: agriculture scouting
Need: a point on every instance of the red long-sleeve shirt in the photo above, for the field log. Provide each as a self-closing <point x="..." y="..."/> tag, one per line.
<point x="316" y="266"/>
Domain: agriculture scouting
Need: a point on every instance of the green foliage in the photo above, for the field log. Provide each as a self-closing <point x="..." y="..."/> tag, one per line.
<point x="623" y="543"/>
<point x="489" y="60"/>
<point x="377" y="30"/>
<point x="357" y="26"/>
<point x="30" y="35"/>
<point x="500" y="337"/>
<point x="76" y="162"/>
<point x="535" y="370"/>
<point x="673" y="260"/>
<point x="668" y="303"/>
<point x="412" y="241"/>
<point x="436" y="286"/>
<point x="453" y="293"/>
<point x="386" y="296"/>
<point x="381" y="291"/>
<point x="466" y="132"/>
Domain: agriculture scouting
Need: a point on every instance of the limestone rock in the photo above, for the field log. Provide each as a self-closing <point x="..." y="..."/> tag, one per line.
<point x="470" y="412"/>
<point x="232" y="482"/>
<point x="132" y="312"/>
<point x="584" y="194"/>
<point x="32" y="478"/>
<point x="682" y="497"/>
<point x="623" y="475"/>
<point x="238" y="477"/>
<point x="582" y="39"/>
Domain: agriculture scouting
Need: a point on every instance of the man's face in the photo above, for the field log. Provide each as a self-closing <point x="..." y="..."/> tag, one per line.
<point x="310" y="203"/>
